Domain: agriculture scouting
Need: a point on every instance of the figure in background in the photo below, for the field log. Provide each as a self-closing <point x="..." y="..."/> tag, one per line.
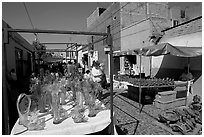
<point x="42" y="73"/>
<point x="97" y="75"/>
<point x="13" y="85"/>
<point x="136" y="69"/>
<point x="70" y="68"/>
<point x="103" y="77"/>
<point x="186" y="75"/>
<point x="96" y="72"/>
<point x="13" y="93"/>
<point x="78" y="67"/>
<point x="87" y="75"/>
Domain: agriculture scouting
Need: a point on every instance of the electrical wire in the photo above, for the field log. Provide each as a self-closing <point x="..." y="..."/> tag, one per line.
<point x="28" y="15"/>
<point x="36" y="35"/>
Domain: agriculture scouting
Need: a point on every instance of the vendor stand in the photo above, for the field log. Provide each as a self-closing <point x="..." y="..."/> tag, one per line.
<point x="164" y="49"/>
<point x="104" y="36"/>
<point x="68" y="127"/>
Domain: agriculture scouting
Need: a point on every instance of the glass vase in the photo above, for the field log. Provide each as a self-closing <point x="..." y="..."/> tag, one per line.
<point x="79" y="98"/>
<point x="91" y="106"/>
<point x="62" y="98"/>
<point x="56" y="108"/>
<point x="42" y="103"/>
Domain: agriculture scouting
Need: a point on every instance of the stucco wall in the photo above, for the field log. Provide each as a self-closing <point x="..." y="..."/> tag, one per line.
<point x="111" y="16"/>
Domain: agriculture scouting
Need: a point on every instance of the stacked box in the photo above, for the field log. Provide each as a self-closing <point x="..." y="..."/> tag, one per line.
<point x="181" y="92"/>
<point x="170" y="104"/>
<point x="166" y="96"/>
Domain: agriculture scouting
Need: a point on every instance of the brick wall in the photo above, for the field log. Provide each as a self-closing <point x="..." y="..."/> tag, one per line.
<point x="132" y="12"/>
<point x="191" y="27"/>
<point x="192" y="10"/>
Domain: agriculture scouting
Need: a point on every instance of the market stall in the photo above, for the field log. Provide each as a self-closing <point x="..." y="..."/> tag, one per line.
<point x="68" y="126"/>
<point x="31" y="120"/>
<point x="61" y="105"/>
<point x="164" y="49"/>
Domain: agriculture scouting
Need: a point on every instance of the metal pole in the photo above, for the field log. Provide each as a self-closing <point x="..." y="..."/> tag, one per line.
<point x="61" y="43"/>
<point x="111" y="78"/>
<point x="55" y="50"/>
<point x="150" y="69"/>
<point x="55" y="32"/>
<point x="92" y="43"/>
<point x="76" y="53"/>
<point x="4" y="86"/>
<point x="66" y="55"/>
<point x="140" y="90"/>
<point x="188" y="60"/>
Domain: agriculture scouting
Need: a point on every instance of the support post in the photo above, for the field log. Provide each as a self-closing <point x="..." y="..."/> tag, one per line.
<point x="110" y="44"/>
<point x="4" y="86"/>
<point x="76" y="53"/>
<point x="150" y="69"/>
<point x="140" y="90"/>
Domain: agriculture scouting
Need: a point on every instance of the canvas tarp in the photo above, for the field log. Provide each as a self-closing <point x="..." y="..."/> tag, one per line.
<point x="164" y="49"/>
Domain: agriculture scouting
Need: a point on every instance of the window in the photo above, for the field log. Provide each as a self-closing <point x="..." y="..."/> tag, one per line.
<point x="175" y="23"/>
<point x="183" y="14"/>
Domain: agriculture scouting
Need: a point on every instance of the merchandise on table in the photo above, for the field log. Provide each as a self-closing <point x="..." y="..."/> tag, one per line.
<point x="51" y="92"/>
<point x="184" y="119"/>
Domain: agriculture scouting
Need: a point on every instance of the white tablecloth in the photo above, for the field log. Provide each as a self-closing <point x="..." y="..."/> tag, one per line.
<point x="68" y="127"/>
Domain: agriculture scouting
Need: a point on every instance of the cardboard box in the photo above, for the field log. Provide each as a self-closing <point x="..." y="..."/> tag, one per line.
<point x="181" y="92"/>
<point x="166" y="96"/>
<point x="170" y="104"/>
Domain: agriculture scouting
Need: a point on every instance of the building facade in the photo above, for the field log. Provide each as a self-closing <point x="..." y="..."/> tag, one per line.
<point x="187" y="33"/>
<point x="19" y="54"/>
<point x="132" y="25"/>
<point x="138" y="24"/>
<point x="16" y="54"/>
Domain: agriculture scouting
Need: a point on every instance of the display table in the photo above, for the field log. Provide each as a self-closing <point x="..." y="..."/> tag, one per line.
<point x="68" y="127"/>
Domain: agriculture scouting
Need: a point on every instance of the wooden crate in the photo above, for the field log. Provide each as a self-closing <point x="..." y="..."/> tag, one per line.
<point x="170" y="104"/>
<point x="166" y="96"/>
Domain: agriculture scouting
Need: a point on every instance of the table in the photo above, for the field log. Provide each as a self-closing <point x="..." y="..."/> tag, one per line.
<point x="68" y="127"/>
<point x="137" y="90"/>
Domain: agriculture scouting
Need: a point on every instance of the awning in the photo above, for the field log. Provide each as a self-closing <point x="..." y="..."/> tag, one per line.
<point x="166" y="48"/>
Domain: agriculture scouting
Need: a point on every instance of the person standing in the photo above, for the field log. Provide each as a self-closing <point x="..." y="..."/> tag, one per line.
<point x="13" y="93"/>
<point x="70" y="68"/>
<point x="186" y="75"/>
<point x="103" y="77"/>
<point x="96" y="72"/>
<point x="13" y="85"/>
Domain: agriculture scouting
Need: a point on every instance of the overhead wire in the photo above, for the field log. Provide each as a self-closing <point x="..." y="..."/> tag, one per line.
<point x="36" y="35"/>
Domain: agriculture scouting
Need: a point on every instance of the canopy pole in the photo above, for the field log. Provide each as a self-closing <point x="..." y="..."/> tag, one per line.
<point x="150" y="69"/>
<point x="4" y="87"/>
<point x="55" y="32"/>
<point x="111" y="78"/>
<point x="140" y="90"/>
<point x="188" y="59"/>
